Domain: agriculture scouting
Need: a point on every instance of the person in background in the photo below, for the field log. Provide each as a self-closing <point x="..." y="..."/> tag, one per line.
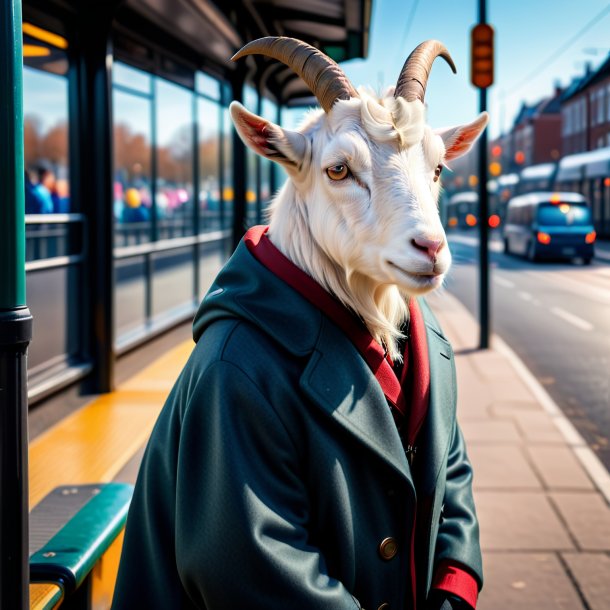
<point x="42" y="190"/>
<point x="133" y="210"/>
<point x="37" y="197"/>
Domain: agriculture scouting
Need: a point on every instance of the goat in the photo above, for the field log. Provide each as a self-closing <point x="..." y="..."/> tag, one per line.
<point x="282" y="471"/>
<point x="359" y="212"/>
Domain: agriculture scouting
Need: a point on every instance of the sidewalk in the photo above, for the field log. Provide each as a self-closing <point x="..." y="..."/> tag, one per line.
<point x="542" y="496"/>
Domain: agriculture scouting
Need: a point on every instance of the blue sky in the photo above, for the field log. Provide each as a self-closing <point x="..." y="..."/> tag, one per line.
<point x="527" y="34"/>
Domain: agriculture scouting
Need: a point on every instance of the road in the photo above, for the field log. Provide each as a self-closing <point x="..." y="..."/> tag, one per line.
<point x="556" y="317"/>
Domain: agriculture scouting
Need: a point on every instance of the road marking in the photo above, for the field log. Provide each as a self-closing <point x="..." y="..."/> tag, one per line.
<point x="503" y="282"/>
<point x="572" y="319"/>
<point x="569" y="284"/>
<point x="526" y="296"/>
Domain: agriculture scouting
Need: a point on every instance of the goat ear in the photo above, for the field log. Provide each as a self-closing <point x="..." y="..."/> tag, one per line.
<point x="269" y="140"/>
<point x="459" y="140"/>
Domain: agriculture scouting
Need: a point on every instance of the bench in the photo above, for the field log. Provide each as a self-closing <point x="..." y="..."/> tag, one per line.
<point x="71" y="531"/>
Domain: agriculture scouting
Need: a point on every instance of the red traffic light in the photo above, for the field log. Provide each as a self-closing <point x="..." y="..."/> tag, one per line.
<point x="482" y="56"/>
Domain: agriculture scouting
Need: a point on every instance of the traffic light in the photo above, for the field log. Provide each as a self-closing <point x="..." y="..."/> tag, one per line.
<point x="482" y="56"/>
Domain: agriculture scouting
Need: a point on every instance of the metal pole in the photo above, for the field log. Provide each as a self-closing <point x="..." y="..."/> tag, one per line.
<point x="483" y="216"/>
<point x="95" y="136"/>
<point x="15" y="321"/>
<point x="239" y="165"/>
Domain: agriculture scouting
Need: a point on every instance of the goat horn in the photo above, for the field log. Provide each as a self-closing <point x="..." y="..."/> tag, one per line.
<point x="320" y="73"/>
<point x="414" y="74"/>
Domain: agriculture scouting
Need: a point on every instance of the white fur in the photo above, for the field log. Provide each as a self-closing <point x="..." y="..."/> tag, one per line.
<point x="355" y="237"/>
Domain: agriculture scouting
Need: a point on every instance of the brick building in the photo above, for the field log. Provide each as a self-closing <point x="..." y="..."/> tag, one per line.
<point x="585" y="111"/>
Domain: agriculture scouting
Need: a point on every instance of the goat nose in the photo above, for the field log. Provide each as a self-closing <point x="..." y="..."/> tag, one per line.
<point x="430" y="245"/>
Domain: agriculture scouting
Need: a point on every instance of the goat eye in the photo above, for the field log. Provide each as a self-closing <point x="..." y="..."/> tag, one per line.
<point x="437" y="172"/>
<point x="338" y="172"/>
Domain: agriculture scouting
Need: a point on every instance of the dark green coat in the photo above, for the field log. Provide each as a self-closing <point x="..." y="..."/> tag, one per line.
<point x="275" y="468"/>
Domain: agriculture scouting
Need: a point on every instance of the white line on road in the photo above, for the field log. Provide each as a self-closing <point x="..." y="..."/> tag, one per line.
<point x="581" y="289"/>
<point x="502" y="282"/>
<point x="572" y="319"/>
<point x="526" y="296"/>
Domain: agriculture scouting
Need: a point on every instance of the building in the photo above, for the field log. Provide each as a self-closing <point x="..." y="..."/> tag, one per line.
<point x="585" y="111"/>
<point x="536" y="134"/>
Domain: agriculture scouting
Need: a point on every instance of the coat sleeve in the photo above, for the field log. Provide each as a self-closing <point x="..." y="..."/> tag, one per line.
<point x="458" y="535"/>
<point x="242" y="507"/>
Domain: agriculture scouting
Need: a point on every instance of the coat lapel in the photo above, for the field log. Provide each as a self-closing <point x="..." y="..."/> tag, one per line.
<point x="438" y="427"/>
<point x="338" y="380"/>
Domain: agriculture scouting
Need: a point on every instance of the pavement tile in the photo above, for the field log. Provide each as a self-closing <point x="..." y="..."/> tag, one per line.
<point x="490" y="431"/>
<point x="492" y="365"/>
<point x="474" y="395"/>
<point x="519" y="521"/>
<point x="592" y="574"/>
<point x="507" y="408"/>
<point x="511" y="389"/>
<point x="538" y="426"/>
<point x="501" y="468"/>
<point x="558" y="467"/>
<point x="588" y="518"/>
<point x="526" y="581"/>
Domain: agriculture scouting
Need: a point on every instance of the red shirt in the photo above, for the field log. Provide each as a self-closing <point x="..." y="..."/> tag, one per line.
<point x="415" y="375"/>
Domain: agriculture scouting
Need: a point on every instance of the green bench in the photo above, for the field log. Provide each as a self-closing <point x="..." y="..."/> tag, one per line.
<point x="70" y="530"/>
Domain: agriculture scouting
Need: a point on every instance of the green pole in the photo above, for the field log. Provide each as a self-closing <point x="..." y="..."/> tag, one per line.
<point x="15" y="320"/>
<point x="12" y="233"/>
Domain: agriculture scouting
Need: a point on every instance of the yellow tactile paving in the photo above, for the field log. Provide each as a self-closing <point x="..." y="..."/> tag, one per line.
<point x="92" y="444"/>
<point x="44" y="596"/>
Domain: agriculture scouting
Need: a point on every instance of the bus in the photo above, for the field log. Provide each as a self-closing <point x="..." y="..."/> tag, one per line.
<point x="462" y="210"/>
<point x="549" y="225"/>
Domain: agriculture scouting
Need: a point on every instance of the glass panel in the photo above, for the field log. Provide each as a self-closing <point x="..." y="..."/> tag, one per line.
<point x="252" y="164"/>
<point x="212" y="257"/>
<point x="227" y="170"/>
<point x="56" y="318"/>
<point x="250" y="98"/>
<point x="173" y="276"/>
<point x="45" y="127"/>
<point x="129" y="295"/>
<point x="132" y="78"/>
<point x="251" y="201"/>
<point x="207" y="85"/>
<point x="209" y="165"/>
<point x="174" y="193"/>
<point x="132" y="169"/>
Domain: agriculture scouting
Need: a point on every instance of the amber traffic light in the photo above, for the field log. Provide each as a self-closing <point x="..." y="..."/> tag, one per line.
<point x="482" y="56"/>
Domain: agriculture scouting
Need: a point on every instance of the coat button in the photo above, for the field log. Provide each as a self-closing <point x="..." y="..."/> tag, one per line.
<point x="388" y="548"/>
<point x="384" y="606"/>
